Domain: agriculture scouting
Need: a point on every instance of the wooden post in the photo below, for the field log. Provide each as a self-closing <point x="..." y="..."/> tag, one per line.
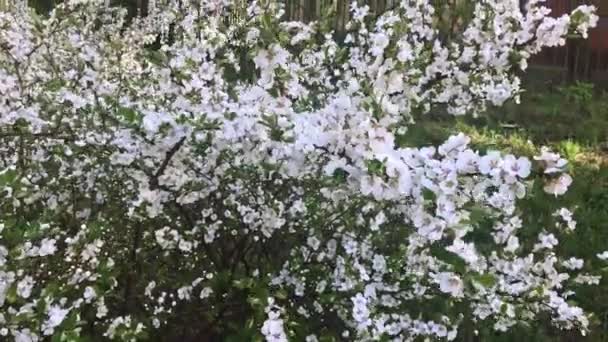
<point x="576" y="67"/>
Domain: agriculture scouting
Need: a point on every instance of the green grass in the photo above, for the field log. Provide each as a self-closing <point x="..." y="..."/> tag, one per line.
<point x="573" y="121"/>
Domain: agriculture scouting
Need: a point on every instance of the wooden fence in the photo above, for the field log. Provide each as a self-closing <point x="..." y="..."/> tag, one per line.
<point x="579" y="59"/>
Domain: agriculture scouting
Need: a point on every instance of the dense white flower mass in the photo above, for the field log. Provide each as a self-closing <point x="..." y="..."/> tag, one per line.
<point x="213" y="156"/>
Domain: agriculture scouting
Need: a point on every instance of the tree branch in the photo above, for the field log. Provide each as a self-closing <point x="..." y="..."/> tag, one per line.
<point x="168" y="156"/>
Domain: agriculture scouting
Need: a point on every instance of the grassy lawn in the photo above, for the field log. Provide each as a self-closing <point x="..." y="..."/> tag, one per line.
<point x="574" y="121"/>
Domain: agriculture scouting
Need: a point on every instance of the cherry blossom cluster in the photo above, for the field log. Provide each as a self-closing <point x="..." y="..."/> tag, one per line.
<point x="215" y="162"/>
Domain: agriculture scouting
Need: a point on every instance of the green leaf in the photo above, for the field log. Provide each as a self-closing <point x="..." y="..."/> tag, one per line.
<point x="55" y="85"/>
<point x="376" y="167"/>
<point x="477" y="214"/>
<point x="449" y="258"/>
<point x="128" y="114"/>
<point x="157" y="57"/>
<point x="486" y="280"/>
<point x="8" y="177"/>
<point x="340" y="175"/>
<point x="11" y="295"/>
<point x="428" y="195"/>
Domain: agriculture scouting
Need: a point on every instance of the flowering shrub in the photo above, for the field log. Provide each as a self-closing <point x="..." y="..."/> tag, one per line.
<point x="254" y="176"/>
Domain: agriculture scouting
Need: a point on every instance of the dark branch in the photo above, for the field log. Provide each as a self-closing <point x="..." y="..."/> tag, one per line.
<point x="163" y="166"/>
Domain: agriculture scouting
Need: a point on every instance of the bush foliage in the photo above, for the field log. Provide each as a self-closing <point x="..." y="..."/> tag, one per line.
<point x="188" y="176"/>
